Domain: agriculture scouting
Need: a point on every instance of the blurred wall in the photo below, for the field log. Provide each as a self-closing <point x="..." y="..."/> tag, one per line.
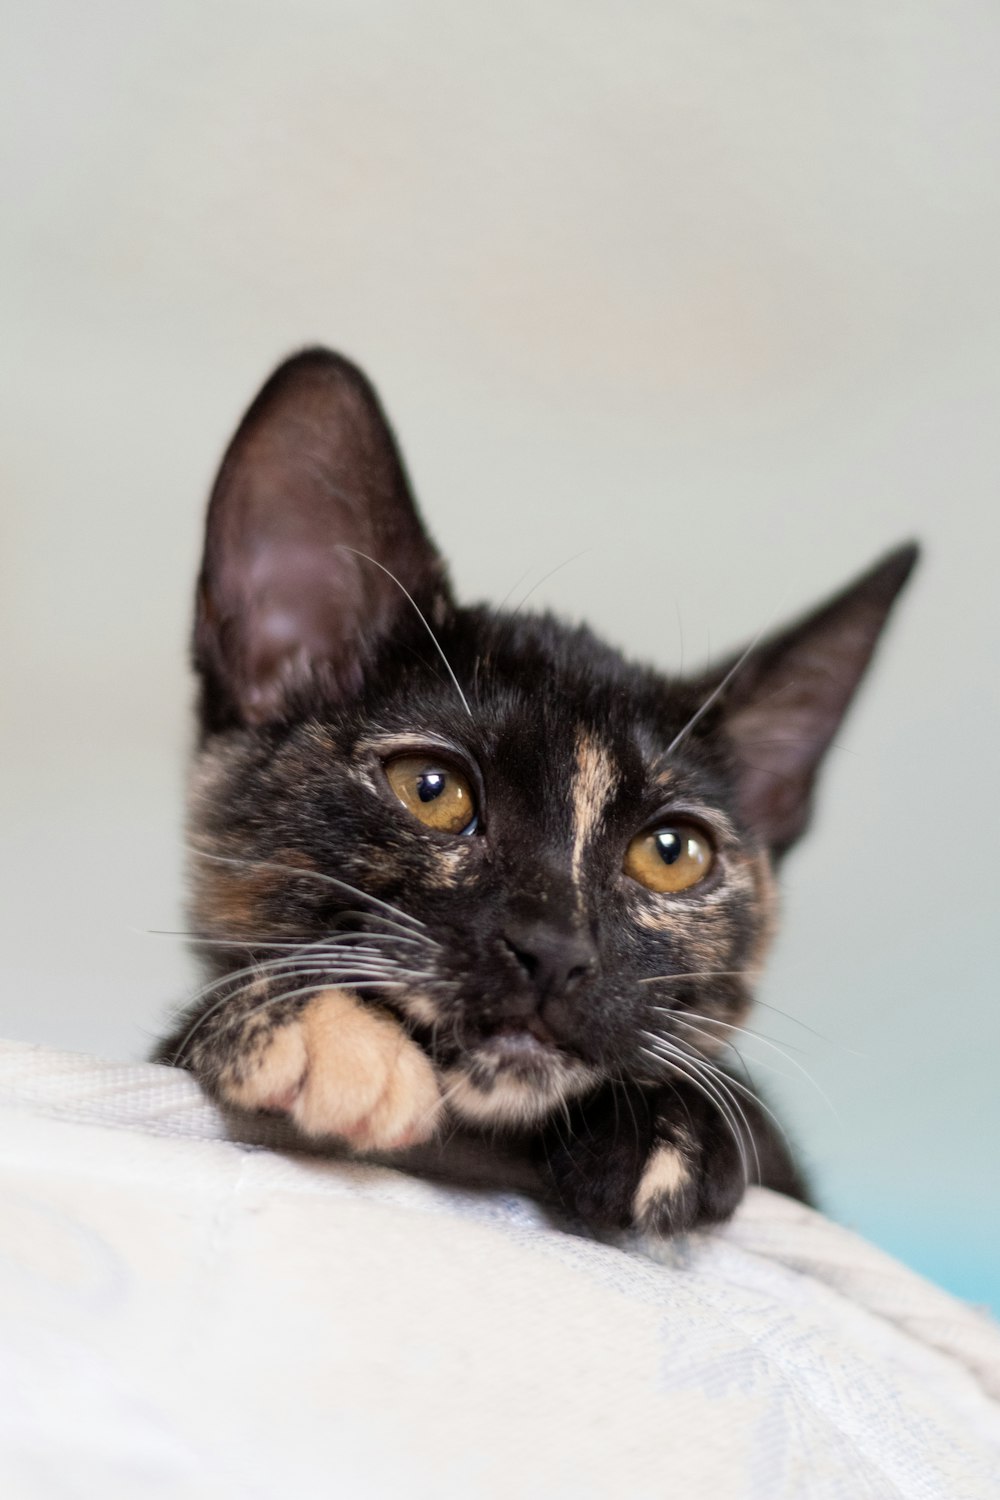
<point x="702" y="297"/>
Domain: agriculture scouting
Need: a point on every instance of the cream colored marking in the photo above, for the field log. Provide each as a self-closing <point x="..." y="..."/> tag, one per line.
<point x="276" y="1075"/>
<point x="705" y="927"/>
<point x="420" y="1006"/>
<point x="209" y="770"/>
<point x="402" y="744"/>
<point x="766" y="891"/>
<point x="655" y="921"/>
<point x="665" y="1175"/>
<point x="509" y="1100"/>
<point x="342" y="1069"/>
<point x="660" y="912"/>
<point x="360" y="774"/>
<point x="513" y="1101"/>
<point x="448" y="865"/>
<point x="594" y="782"/>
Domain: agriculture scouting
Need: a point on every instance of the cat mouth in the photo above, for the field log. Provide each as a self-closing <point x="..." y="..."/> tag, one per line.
<point x="515" y="1076"/>
<point x="523" y="1052"/>
<point x="520" y="1042"/>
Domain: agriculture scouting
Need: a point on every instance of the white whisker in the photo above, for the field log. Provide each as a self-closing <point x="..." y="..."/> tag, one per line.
<point x="698" y="974"/>
<point x="308" y="989"/>
<point x="713" y="697"/>
<point x="302" y="874"/>
<point x="393" y="926"/>
<point x="727" y="1118"/>
<point x="754" y="1036"/>
<point x="830" y="1040"/>
<point x="342" y="547"/>
<point x="276" y="966"/>
<point x="735" y="1083"/>
<point x="712" y="1077"/>
<point x="688" y="1067"/>
<point x="327" y="978"/>
<point x="545" y="578"/>
<point x="720" y="687"/>
<point x="342" y="939"/>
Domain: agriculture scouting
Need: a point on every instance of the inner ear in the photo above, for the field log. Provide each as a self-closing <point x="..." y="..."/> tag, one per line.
<point x="311" y="540"/>
<point x="784" y="699"/>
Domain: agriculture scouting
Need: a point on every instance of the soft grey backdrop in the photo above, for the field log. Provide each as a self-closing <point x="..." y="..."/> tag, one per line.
<point x="703" y="297"/>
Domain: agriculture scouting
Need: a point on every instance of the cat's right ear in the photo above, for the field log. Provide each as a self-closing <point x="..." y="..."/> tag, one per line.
<point x="312" y="537"/>
<point x="784" y="698"/>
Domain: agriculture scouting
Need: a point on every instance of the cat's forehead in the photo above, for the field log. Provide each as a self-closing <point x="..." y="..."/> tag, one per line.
<point x="551" y="709"/>
<point x="575" y="698"/>
<point x="584" y="756"/>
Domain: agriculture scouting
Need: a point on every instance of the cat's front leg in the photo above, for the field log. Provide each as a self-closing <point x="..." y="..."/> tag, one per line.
<point x="334" y="1066"/>
<point x="664" y="1160"/>
<point x="698" y="1167"/>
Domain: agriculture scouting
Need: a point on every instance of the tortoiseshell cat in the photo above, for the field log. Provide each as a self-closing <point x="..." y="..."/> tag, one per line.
<point x="461" y="869"/>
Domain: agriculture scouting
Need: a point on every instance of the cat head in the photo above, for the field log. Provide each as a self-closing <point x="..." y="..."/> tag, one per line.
<point x="556" y="865"/>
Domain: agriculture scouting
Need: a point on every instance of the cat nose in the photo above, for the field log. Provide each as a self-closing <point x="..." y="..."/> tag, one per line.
<point x="555" y="959"/>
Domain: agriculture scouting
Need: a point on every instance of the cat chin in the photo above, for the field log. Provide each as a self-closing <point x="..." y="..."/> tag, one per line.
<point x="503" y="1089"/>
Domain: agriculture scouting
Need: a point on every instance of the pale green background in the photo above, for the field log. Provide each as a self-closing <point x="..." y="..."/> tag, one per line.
<point x="710" y="292"/>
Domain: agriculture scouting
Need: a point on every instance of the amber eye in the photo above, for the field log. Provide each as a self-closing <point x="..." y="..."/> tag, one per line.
<point x="669" y="859"/>
<point x="440" y="797"/>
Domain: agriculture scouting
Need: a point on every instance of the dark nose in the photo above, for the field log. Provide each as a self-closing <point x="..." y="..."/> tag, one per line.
<point x="555" y="959"/>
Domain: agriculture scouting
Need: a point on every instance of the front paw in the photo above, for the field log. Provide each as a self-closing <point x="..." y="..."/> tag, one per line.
<point x="594" y="1155"/>
<point x="696" y="1172"/>
<point x="633" y="1158"/>
<point x="338" y="1068"/>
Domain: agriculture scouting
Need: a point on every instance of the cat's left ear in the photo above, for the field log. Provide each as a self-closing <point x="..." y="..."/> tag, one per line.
<point x="783" y="703"/>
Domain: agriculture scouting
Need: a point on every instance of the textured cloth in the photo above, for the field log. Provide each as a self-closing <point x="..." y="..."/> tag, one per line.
<point x="182" y="1314"/>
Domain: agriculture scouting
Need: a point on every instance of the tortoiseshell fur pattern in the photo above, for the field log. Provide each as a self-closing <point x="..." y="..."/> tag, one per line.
<point x="384" y="984"/>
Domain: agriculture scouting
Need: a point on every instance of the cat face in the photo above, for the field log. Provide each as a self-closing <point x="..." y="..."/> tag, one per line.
<point x="556" y="867"/>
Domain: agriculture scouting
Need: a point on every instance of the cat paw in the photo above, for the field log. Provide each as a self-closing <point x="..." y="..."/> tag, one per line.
<point x="654" y="1173"/>
<point x="342" y="1069"/>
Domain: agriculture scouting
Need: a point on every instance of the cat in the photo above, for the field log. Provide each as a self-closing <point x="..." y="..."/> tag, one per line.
<point x="464" y="873"/>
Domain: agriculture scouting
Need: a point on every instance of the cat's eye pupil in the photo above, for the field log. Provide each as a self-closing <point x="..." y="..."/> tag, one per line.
<point x="430" y="785"/>
<point x="669" y="846"/>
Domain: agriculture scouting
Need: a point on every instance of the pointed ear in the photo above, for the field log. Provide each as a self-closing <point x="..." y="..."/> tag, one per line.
<point x="782" y="703"/>
<point x="311" y="480"/>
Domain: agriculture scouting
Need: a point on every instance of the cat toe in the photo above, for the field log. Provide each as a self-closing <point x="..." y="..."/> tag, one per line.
<point x="408" y="1109"/>
<point x="273" y="1077"/>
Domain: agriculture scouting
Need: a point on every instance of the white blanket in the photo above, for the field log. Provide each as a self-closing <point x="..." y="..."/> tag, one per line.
<point x="185" y="1315"/>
